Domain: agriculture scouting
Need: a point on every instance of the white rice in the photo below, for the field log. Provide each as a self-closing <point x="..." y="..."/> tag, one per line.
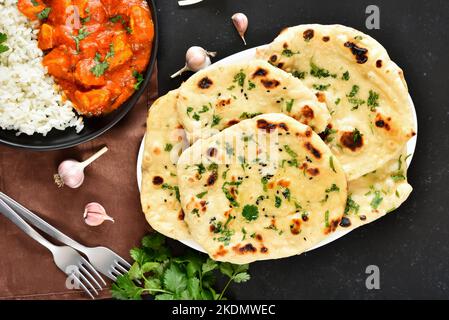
<point x="29" y="99"/>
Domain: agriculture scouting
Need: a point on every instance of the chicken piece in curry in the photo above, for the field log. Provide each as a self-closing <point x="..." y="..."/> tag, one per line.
<point x="96" y="50"/>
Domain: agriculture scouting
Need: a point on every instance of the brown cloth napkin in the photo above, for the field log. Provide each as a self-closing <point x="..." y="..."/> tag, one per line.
<point x="27" y="268"/>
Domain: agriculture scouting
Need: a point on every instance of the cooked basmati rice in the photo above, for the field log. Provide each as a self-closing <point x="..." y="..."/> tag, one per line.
<point x="29" y="99"/>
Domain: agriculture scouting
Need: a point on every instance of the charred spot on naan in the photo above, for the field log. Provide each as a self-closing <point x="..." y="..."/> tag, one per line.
<point x="270" y="83"/>
<point x="307" y="112"/>
<point x="223" y="103"/>
<point x="181" y="215"/>
<point x="158" y="180"/>
<point x="247" y="248"/>
<point x="313" y="171"/>
<point x="349" y="140"/>
<point x="320" y="96"/>
<point x="345" y="222"/>
<point x="205" y="83"/>
<point x="261" y="72"/>
<point x="361" y="54"/>
<point x="221" y="252"/>
<point x="263" y="124"/>
<point x="383" y="123"/>
<point x="212" y="152"/>
<point x="273" y="58"/>
<point x="326" y="38"/>
<point x="332" y="226"/>
<point x="308" y="34"/>
<point x="295" y="226"/>
<point x="232" y="122"/>
<point x="264" y="249"/>
<point x="313" y="150"/>
<point x="379" y="63"/>
<point x="157" y="150"/>
<point x="212" y="178"/>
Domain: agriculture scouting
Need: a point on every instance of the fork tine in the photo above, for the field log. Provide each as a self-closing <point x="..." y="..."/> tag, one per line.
<point x="123" y="262"/>
<point x="90" y="276"/>
<point x="87" y="282"/>
<point x="83" y="286"/>
<point x="92" y="269"/>
<point x="114" y="278"/>
<point x="119" y="267"/>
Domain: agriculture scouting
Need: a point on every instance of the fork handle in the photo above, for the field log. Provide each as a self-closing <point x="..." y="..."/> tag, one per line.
<point x="24" y="226"/>
<point x="42" y="224"/>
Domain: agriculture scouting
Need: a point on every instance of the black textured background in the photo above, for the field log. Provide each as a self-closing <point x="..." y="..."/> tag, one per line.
<point x="411" y="245"/>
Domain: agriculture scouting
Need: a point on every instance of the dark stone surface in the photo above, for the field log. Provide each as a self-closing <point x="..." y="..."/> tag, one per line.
<point x="410" y="246"/>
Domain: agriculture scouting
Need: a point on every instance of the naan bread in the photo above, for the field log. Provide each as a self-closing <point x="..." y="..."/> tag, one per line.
<point x="377" y="193"/>
<point x="164" y="141"/>
<point x="364" y="90"/>
<point x="264" y="188"/>
<point x="220" y="96"/>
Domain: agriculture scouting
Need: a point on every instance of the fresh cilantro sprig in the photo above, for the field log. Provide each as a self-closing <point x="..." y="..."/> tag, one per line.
<point x="156" y="272"/>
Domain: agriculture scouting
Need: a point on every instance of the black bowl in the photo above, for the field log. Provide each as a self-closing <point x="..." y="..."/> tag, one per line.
<point x="93" y="127"/>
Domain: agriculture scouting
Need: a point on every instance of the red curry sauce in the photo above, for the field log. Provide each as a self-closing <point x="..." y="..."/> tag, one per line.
<point x="95" y="49"/>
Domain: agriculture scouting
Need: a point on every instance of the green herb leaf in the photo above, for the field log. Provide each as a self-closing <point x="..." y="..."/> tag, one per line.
<point x="331" y="164"/>
<point x="140" y="79"/>
<point x="44" y="14"/>
<point x="355" y="89"/>
<point x="82" y="34"/>
<point x="356" y="135"/>
<point x="373" y="100"/>
<point x="351" y="205"/>
<point x="289" y="105"/>
<point x="201" y="195"/>
<point x="345" y="76"/>
<point x="277" y="201"/>
<point x="288" y="53"/>
<point x="290" y="152"/>
<point x="318" y="72"/>
<point x="215" y="120"/>
<point x="250" y="212"/>
<point x="239" y="78"/>
<point x="326" y="219"/>
<point x="100" y="68"/>
<point x="376" y="200"/>
<point x="321" y="87"/>
<point x="299" y="74"/>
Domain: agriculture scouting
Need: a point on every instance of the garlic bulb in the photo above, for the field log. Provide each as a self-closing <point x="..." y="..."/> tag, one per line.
<point x="95" y="214"/>
<point x="241" y="24"/>
<point x="196" y="59"/>
<point x="71" y="172"/>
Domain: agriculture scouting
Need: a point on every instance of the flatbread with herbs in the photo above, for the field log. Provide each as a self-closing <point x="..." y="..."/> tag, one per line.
<point x="164" y="142"/>
<point x="220" y="96"/>
<point x="377" y="193"/>
<point x="364" y="90"/>
<point x="265" y="188"/>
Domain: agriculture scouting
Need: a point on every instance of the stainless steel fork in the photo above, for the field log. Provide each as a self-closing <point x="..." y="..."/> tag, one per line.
<point x="103" y="259"/>
<point x="66" y="258"/>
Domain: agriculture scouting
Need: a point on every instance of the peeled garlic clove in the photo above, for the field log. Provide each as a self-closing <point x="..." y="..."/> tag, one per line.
<point x="241" y="24"/>
<point x="95" y="214"/>
<point x="70" y="173"/>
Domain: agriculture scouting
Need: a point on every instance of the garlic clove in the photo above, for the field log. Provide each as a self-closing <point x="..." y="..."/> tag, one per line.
<point x="95" y="214"/>
<point x="70" y="173"/>
<point x="197" y="59"/>
<point x="240" y="21"/>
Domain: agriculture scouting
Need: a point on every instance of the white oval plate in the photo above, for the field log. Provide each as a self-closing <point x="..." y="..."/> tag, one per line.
<point x="247" y="55"/>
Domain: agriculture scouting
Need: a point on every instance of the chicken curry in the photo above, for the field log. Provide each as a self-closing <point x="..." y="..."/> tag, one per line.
<point x="95" y="49"/>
